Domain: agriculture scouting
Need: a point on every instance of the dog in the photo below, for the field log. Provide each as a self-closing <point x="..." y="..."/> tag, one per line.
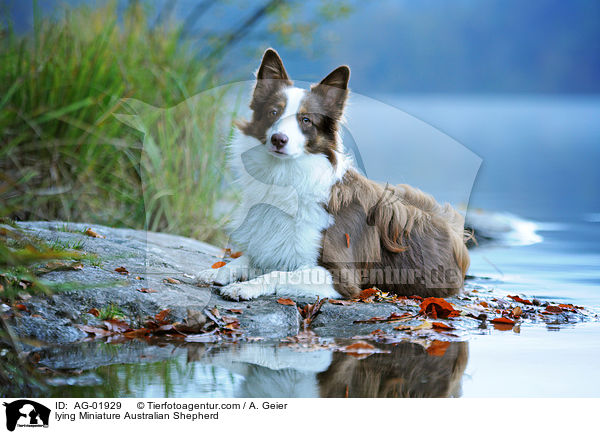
<point x="309" y="223"/>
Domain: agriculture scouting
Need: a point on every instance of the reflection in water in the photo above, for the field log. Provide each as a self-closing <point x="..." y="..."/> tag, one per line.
<point x="267" y="370"/>
<point x="407" y="372"/>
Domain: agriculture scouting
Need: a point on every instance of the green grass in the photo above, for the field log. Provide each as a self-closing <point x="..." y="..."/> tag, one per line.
<point x="111" y="312"/>
<point x="63" y="153"/>
<point x="20" y="256"/>
<point x="58" y="244"/>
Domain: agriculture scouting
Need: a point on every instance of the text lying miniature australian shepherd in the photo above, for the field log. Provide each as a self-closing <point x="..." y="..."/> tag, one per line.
<point x="310" y="224"/>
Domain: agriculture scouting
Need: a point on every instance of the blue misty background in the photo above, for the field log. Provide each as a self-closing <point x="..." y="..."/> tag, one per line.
<point x="515" y="82"/>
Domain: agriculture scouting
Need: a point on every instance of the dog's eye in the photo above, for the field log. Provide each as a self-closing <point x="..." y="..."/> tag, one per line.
<point x="305" y="120"/>
<point x="273" y="113"/>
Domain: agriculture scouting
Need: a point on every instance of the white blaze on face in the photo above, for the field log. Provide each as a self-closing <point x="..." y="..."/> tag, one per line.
<point x="288" y="123"/>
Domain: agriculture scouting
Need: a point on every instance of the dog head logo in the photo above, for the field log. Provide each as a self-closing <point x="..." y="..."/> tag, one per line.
<point x="26" y="413"/>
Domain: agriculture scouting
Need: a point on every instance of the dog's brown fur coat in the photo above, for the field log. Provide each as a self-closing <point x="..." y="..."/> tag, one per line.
<point x="396" y="229"/>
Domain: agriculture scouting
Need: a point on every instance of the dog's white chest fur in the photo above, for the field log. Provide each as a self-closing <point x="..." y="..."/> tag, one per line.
<point x="281" y="217"/>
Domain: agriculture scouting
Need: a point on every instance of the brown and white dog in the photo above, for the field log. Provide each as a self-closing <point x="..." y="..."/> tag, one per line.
<point x="311" y="224"/>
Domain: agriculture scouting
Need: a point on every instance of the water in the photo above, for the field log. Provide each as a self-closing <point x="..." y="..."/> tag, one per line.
<point x="536" y="158"/>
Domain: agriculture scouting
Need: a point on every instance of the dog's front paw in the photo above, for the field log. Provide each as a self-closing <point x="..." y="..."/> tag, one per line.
<point x="241" y="291"/>
<point x="206" y="277"/>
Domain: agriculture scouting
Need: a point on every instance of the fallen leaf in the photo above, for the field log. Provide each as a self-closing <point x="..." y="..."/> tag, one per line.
<point x="218" y="264"/>
<point x="117" y="326"/>
<point x="236" y="310"/>
<point x="194" y="322"/>
<point x="136" y="333"/>
<point x="94" y="311"/>
<point x="21" y="307"/>
<point x="90" y="233"/>
<point x="235" y="255"/>
<point x="121" y="270"/>
<point x="162" y="316"/>
<point x="59" y="266"/>
<point x="286" y="302"/>
<point x="554" y="309"/>
<point x="393" y="317"/>
<point x="171" y="280"/>
<point x="425" y="325"/>
<point x="484" y="303"/>
<point x="519" y="299"/>
<point x="94" y="330"/>
<point x="340" y="302"/>
<point x="441" y="326"/>
<point x="366" y="293"/>
<point x="517" y="312"/>
<point x="434" y="307"/>
<point x="310" y="311"/>
<point x="438" y="348"/>
<point x="503" y="320"/>
<point x="146" y="290"/>
<point x="347" y="240"/>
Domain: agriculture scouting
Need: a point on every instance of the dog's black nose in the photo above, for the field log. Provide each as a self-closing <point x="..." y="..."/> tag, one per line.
<point x="279" y="140"/>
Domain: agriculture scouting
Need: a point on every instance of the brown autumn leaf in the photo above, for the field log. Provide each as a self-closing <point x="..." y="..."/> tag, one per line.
<point x="194" y="323"/>
<point x="98" y="332"/>
<point x="122" y="270"/>
<point x="484" y="303"/>
<point x="59" y="266"/>
<point x="146" y="290"/>
<point x="236" y="255"/>
<point x="503" y="320"/>
<point x="161" y="317"/>
<point x="235" y="310"/>
<point x="438" y="348"/>
<point x="171" y="280"/>
<point x="117" y="326"/>
<point x="519" y="299"/>
<point x="21" y="307"/>
<point x="554" y="309"/>
<point x="136" y="333"/>
<point x="347" y="240"/>
<point x="340" y="302"/>
<point x="393" y="317"/>
<point x="310" y="311"/>
<point x="218" y="264"/>
<point x="435" y="307"/>
<point x="441" y="326"/>
<point x="90" y="233"/>
<point x="517" y="311"/>
<point x="94" y="312"/>
<point x="286" y="302"/>
<point x="366" y="293"/>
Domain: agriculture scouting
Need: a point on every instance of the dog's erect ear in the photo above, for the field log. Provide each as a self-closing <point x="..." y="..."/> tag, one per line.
<point x="271" y="77"/>
<point x="339" y="78"/>
<point x="333" y="90"/>
<point x="271" y="67"/>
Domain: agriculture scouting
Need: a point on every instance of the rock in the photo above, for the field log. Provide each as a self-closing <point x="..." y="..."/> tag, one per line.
<point x="152" y="260"/>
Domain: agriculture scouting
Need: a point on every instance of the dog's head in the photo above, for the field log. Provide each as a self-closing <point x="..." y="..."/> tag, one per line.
<point x="290" y="121"/>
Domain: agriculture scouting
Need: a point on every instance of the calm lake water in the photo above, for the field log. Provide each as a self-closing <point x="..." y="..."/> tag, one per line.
<point x="536" y="158"/>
